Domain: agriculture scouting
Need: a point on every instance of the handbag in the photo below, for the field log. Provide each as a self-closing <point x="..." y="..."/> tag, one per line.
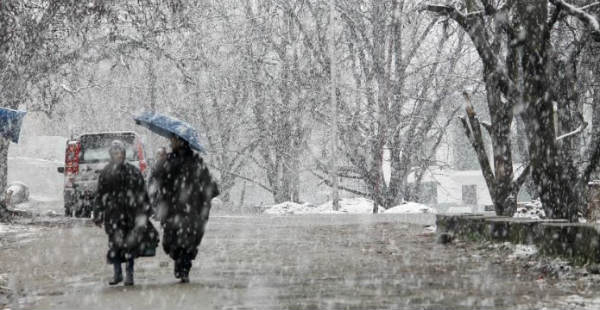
<point x="149" y="240"/>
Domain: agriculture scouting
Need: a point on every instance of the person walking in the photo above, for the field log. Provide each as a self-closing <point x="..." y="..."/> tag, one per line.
<point x="153" y="186"/>
<point x="185" y="192"/>
<point x="123" y="207"/>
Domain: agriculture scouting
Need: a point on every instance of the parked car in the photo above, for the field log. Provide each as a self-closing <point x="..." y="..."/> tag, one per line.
<point x="85" y="157"/>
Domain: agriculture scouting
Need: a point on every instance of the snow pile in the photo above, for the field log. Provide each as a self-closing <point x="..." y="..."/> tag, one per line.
<point x="357" y="205"/>
<point x="18" y="192"/>
<point x="347" y="206"/>
<point x="523" y="251"/>
<point x="288" y="207"/>
<point x="411" y="208"/>
<point x="531" y="209"/>
<point x="429" y="229"/>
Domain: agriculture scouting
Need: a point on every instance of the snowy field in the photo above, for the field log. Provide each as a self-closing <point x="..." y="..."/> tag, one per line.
<point x="357" y="205"/>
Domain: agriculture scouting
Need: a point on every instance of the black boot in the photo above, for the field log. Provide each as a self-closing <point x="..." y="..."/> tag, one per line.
<point x="177" y="269"/>
<point x="185" y="271"/>
<point x="129" y="273"/>
<point x="118" y="274"/>
<point x="185" y="276"/>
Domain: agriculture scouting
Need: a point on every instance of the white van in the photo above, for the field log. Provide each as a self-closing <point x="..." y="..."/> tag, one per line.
<point x="85" y="157"/>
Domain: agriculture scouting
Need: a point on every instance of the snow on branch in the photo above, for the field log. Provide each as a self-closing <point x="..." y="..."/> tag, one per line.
<point x="587" y="18"/>
<point x="74" y="92"/>
<point x="574" y="132"/>
<point x="585" y="7"/>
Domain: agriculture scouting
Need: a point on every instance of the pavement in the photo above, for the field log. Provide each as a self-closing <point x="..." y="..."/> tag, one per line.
<point x="281" y="262"/>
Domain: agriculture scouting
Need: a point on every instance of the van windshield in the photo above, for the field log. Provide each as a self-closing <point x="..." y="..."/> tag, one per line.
<point x="94" y="148"/>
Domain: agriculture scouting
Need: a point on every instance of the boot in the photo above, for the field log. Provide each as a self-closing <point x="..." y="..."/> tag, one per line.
<point x="177" y="269"/>
<point x="118" y="274"/>
<point x="185" y="276"/>
<point x="129" y="273"/>
<point x="185" y="271"/>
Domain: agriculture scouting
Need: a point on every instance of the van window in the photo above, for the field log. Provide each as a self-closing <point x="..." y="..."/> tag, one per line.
<point x="94" y="148"/>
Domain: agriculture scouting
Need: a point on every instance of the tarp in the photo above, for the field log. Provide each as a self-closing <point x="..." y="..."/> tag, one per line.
<point x="10" y="123"/>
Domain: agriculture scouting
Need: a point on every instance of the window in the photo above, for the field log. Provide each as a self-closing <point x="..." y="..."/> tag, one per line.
<point x="469" y="194"/>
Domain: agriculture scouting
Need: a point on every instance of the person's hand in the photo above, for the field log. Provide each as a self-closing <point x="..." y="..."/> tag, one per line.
<point x="97" y="220"/>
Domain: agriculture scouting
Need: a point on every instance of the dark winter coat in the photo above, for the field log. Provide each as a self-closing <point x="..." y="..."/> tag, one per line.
<point x="185" y="190"/>
<point x="121" y="202"/>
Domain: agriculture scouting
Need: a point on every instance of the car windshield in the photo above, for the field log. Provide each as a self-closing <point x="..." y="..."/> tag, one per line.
<point x="94" y="148"/>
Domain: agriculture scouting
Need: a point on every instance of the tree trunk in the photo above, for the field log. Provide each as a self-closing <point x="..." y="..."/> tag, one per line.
<point x="501" y="116"/>
<point x="548" y="170"/>
<point x="4" y="145"/>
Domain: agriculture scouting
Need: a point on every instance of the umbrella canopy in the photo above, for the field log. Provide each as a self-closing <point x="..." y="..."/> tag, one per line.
<point x="10" y="123"/>
<point x="167" y="126"/>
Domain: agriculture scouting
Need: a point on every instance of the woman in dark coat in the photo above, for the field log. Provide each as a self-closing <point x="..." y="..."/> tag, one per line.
<point x="122" y="206"/>
<point x="185" y="191"/>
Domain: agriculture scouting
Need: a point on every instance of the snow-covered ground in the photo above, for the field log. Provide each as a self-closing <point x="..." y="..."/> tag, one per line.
<point x="288" y="207"/>
<point x="347" y="206"/>
<point x="532" y="210"/>
<point x="7" y="228"/>
<point x="411" y="208"/>
<point x="460" y="209"/>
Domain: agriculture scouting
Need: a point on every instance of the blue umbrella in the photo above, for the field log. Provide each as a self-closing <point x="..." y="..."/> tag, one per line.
<point x="167" y="126"/>
<point x="10" y="123"/>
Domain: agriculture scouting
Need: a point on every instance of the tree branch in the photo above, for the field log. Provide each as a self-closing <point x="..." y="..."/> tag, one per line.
<point x="586" y="18"/>
<point x="574" y="132"/>
<point x="473" y="131"/>
<point x="522" y="177"/>
<point x="268" y="189"/>
<point x="488" y="127"/>
<point x="489" y="7"/>
<point x="327" y="182"/>
<point x="473" y="24"/>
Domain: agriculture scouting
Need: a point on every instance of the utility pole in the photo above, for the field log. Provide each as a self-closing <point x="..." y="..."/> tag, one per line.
<point x="334" y="112"/>
<point x="152" y="83"/>
<point x="152" y="94"/>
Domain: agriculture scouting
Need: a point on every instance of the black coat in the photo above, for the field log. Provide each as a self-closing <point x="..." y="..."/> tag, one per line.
<point x="185" y="189"/>
<point x="121" y="202"/>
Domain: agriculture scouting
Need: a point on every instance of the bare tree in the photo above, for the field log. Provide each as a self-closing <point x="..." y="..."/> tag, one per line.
<point x="525" y="79"/>
<point x="396" y="96"/>
<point x="281" y="93"/>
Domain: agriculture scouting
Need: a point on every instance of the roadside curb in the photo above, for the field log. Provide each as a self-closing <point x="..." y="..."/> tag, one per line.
<point x="576" y="242"/>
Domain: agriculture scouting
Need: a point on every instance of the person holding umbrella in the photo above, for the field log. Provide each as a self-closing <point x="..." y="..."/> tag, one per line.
<point x="185" y="190"/>
<point x="160" y="156"/>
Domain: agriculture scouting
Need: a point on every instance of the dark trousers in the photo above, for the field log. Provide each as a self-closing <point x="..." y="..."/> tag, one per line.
<point x="128" y="267"/>
<point x="183" y="262"/>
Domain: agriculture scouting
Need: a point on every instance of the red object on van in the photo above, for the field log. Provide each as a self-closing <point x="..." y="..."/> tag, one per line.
<point x="140" y="151"/>
<point x="71" y="161"/>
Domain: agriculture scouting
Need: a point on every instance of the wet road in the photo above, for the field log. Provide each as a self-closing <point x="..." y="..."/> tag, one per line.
<point x="296" y="262"/>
